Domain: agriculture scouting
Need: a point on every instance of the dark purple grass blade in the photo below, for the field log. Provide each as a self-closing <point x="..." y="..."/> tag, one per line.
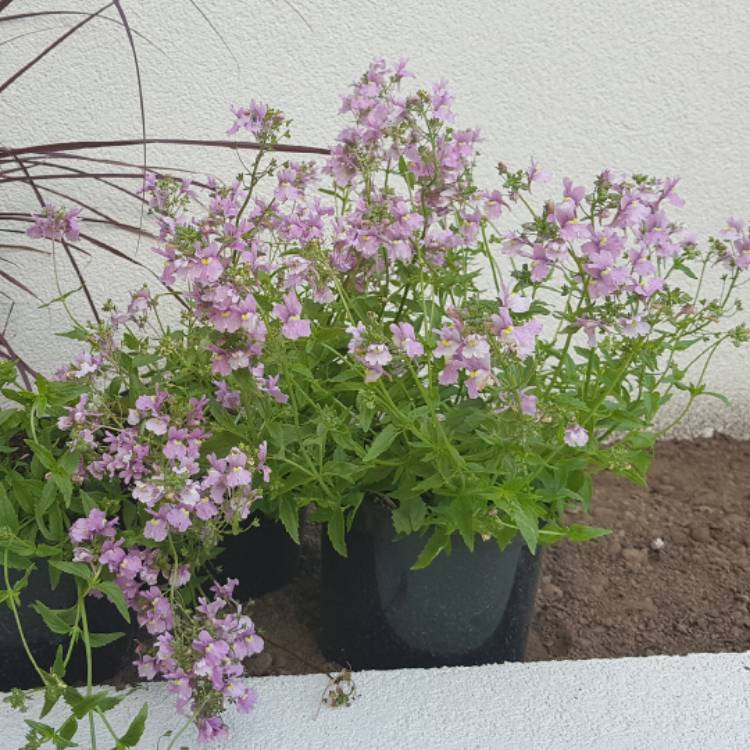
<point x="13" y="280"/>
<point x="217" y="32"/>
<point x="42" y="13"/>
<point x="24" y="68"/>
<point x="46" y="148"/>
<point x="30" y="181"/>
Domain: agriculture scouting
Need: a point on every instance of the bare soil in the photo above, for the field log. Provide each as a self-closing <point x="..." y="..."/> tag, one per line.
<point x="672" y="578"/>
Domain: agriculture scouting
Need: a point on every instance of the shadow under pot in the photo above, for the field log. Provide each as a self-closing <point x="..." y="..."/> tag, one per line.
<point x="466" y="608"/>
<point x="16" y="670"/>
<point x="263" y="558"/>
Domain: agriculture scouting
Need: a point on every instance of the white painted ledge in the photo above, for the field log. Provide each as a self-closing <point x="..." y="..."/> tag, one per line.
<point x="700" y="702"/>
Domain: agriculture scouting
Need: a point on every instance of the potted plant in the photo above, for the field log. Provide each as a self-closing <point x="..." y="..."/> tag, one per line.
<point x="439" y="386"/>
<point x="128" y="490"/>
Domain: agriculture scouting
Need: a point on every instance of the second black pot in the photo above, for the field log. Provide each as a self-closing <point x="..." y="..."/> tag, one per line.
<point x="262" y="559"/>
<point x="16" y="670"/>
<point x="466" y="608"/>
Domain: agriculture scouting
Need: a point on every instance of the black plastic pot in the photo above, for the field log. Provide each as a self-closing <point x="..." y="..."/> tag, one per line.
<point x="16" y="670"/>
<point x="464" y="609"/>
<point x="263" y="558"/>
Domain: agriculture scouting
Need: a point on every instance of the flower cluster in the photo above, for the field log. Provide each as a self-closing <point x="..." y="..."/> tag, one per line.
<point x="200" y="651"/>
<point x="55" y="224"/>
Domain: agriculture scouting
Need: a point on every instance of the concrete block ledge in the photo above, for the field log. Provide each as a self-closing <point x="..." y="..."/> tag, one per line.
<point x="699" y="701"/>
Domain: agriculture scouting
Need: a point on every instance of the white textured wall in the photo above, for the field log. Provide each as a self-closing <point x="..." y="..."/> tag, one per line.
<point x="695" y="702"/>
<point x="660" y="87"/>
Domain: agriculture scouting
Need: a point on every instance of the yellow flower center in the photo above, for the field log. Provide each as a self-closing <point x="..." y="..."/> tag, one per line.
<point x="205" y="261"/>
<point x="508" y="330"/>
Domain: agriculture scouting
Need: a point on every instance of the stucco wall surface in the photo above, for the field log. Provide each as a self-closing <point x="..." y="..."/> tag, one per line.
<point x="697" y="702"/>
<point x="660" y="88"/>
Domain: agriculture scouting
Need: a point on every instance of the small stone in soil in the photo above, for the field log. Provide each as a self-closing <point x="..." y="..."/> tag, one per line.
<point x="551" y="592"/>
<point x="700" y="533"/>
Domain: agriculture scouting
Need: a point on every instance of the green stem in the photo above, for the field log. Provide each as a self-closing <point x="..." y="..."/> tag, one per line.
<point x="12" y="604"/>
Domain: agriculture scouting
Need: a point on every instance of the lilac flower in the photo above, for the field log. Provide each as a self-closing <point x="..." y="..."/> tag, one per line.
<point x="76" y="415"/>
<point x="634" y="327"/>
<point x="478" y="376"/>
<point x="255" y="118"/>
<point x="535" y="173"/>
<point x="229" y="399"/>
<point x="377" y="355"/>
<point x="212" y="728"/>
<point x="179" y="519"/>
<point x="55" y="224"/>
<point x="156" y="528"/>
<point x="520" y="339"/>
<point x="290" y="314"/>
<point x="287" y="188"/>
<point x="528" y="403"/>
<point x="93" y="525"/>
<point x="405" y="339"/>
<point x="494" y="204"/>
<point x="449" y="340"/>
<point x="607" y="278"/>
<point x="590" y="328"/>
<point x="475" y="346"/>
<point x="576" y="436"/>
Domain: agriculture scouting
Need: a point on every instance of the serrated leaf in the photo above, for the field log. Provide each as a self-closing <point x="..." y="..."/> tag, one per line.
<point x="59" y="621"/>
<point x="98" y="640"/>
<point x="581" y="533"/>
<point x="133" y="735"/>
<point x="335" y="529"/>
<point x="79" y="570"/>
<point x="463" y="514"/>
<point x="527" y="522"/>
<point x="8" y="515"/>
<point x="439" y="542"/>
<point x="382" y="442"/>
<point x="289" y="516"/>
<point x="410" y="515"/>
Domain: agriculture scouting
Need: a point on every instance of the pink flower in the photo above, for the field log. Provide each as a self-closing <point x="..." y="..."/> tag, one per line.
<point x="377" y="355"/>
<point x="634" y="327"/>
<point x="290" y="314"/>
<point x="55" y="224"/>
<point x="405" y="339"/>
<point x="576" y="436"/>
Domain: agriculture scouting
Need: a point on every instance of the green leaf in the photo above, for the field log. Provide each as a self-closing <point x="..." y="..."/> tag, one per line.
<point x="289" y="516"/>
<point x="97" y="640"/>
<point x="8" y="515"/>
<point x="581" y="533"/>
<point x="527" y="522"/>
<point x="20" y="547"/>
<point x="382" y="442"/>
<point x="84" y="704"/>
<point x="132" y="737"/>
<point x="67" y="731"/>
<point x="80" y="570"/>
<point x="59" y="621"/>
<point x="439" y="542"/>
<point x="463" y="513"/>
<point x="113" y="592"/>
<point x="336" y="531"/>
<point x="410" y="515"/>
<point x="52" y="694"/>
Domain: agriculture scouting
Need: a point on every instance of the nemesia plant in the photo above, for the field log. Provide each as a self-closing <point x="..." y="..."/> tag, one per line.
<point x="142" y="497"/>
<point x="378" y="323"/>
<point x="367" y="329"/>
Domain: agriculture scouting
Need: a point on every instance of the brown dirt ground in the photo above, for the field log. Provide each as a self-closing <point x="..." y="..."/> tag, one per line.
<point x="615" y="596"/>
